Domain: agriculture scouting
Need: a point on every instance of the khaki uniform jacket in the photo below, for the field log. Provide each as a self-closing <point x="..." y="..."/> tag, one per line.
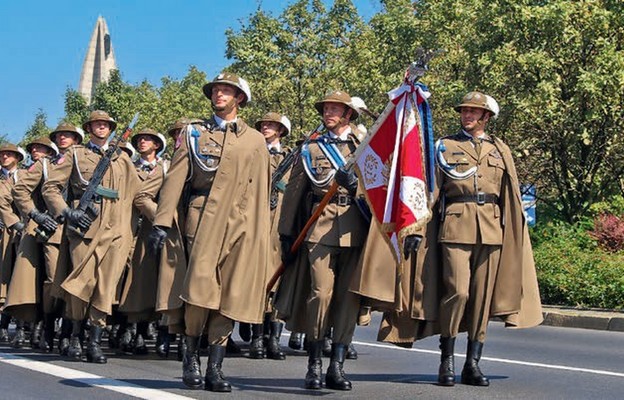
<point x="516" y="295"/>
<point x="24" y="292"/>
<point x="172" y="265"/>
<point x="338" y="225"/>
<point x="138" y="295"/>
<point x="227" y="219"/>
<point x="10" y="239"/>
<point x="111" y="223"/>
<point x="275" y="253"/>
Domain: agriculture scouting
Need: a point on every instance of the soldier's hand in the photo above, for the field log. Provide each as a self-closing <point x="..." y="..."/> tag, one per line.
<point x="17" y="227"/>
<point x="2" y="226"/>
<point x="156" y="239"/>
<point x="287" y="242"/>
<point x="347" y="179"/>
<point x="411" y="244"/>
<point x="77" y="218"/>
<point x="44" y="220"/>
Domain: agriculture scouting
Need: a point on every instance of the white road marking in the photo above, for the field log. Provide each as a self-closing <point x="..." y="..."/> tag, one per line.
<point x="89" y="379"/>
<point x="501" y="360"/>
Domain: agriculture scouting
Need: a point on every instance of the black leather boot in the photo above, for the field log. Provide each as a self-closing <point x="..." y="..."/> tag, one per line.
<point x="181" y="347"/>
<point x="138" y="344"/>
<point x="35" y="334"/>
<point x="75" y="343"/>
<point x="446" y="372"/>
<point x="471" y="373"/>
<point x="232" y="347"/>
<point x="47" y="339"/>
<point x="274" y="351"/>
<point x="20" y="336"/>
<point x="313" y="376"/>
<point x="64" y="337"/>
<point x="5" y="319"/>
<point x="352" y="353"/>
<point x="327" y="343"/>
<point x="335" y="378"/>
<point x="295" y="341"/>
<point x="256" y="348"/>
<point x="94" y="348"/>
<point x="163" y="342"/>
<point x="244" y="331"/>
<point x="215" y="381"/>
<point x="191" y="366"/>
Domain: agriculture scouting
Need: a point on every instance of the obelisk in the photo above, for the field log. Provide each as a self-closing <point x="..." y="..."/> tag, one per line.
<point x="99" y="61"/>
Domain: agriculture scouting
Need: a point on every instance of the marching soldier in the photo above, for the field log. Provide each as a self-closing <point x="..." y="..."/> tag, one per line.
<point x="138" y="297"/>
<point x="225" y="167"/>
<point x="332" y="244"/>
<point x="480" y="240"/>
<point x="95" y="250"/>
<point x="24" y="294"/>
<point x="483" y="229"/>
<point x="12" y="226"/>
<point x="172" y="262"/>
<point x="273" y="127"/>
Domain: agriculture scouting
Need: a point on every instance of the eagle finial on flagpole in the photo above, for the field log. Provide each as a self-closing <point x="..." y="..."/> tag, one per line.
<point x="420" y="66"/>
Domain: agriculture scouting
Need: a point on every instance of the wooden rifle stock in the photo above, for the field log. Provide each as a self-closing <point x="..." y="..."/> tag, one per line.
<point x="295" y="246"/>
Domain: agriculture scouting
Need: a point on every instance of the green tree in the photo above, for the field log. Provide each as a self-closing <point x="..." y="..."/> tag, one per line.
<point x="39" y="128"/>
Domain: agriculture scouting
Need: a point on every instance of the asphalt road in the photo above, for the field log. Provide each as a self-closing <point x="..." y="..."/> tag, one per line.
<point x="540" y="363"/>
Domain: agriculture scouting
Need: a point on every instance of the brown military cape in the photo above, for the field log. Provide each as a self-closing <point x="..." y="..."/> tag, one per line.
<point x="172" y="263"/>
<point x="109" y="226"/>
<point x="24" y="293"/>
<point x="227" y="265"/>
<point x="516" y="294"/>
<point x="9" y="239"/>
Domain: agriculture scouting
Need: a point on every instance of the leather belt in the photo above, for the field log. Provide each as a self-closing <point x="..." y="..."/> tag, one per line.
<point x="340" y="199"/>
<point x="479" y="198"/>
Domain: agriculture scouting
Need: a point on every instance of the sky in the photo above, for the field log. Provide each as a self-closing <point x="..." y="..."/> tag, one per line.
<point x="43" y="44"/>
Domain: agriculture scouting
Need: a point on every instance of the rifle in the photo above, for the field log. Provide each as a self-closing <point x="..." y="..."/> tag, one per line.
<point x="94" y="188"/>
<point x="287" y="162"/>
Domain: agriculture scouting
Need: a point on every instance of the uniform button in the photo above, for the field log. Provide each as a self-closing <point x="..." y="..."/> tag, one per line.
<point x="480" y="176"/>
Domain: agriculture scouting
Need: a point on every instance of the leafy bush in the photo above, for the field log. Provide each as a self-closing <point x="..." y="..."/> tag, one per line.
<point x="609" y="232"/>
<point x="573" y="270"/>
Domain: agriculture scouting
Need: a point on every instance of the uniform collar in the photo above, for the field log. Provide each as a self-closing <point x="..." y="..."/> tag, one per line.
<point x="482" y="136"/>
<point x="222" y="124"/>
<point x="95" y="148"/>
<point x="344" y="136"/>
<point x="275" y="147"/>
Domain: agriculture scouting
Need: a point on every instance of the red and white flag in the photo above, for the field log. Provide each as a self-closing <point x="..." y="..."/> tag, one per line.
<point x="392" y="167"/>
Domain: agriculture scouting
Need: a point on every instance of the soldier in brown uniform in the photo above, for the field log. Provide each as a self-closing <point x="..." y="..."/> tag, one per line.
<point x="64" y="136"/>
<point x="485" y="249"/>
<point x="225" y="166"/>
<point x="332" y="245"/>
<point x="12" y="226"/>
<point x="273" y="127"/>
<point x="95" y="252"/>
<point x="138" y="296"/>
<point x="172" y="263"/>
<point x="24" y="294"/>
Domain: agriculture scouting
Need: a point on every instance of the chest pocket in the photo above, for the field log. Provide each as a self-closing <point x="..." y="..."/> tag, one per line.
<point x="210" y="154"/>
<point x="460" y="162"/>
<point x="321" y="167"/>
<point x="496" y="168"/>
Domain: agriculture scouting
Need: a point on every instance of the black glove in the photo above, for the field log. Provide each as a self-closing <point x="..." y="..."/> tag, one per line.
<point x="17" y="227"/>
<point x="411" y="244"/>
<point x="156" y="239"/>
<point x="44" y="220"/>
<point x="347" y="179"/>
<point x="287" y="242"/>
<point x="77" y="218"/>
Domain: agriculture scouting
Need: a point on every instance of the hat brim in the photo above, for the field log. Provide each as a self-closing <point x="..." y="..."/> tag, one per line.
<point x="259" y="126"/>
<point x="85" y="126"/>
<point x="135" y="139"/>
<point x="319" y="107"/>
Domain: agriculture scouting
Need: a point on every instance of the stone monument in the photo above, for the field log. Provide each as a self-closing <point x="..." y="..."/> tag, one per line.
<point x="99" y="61"/>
